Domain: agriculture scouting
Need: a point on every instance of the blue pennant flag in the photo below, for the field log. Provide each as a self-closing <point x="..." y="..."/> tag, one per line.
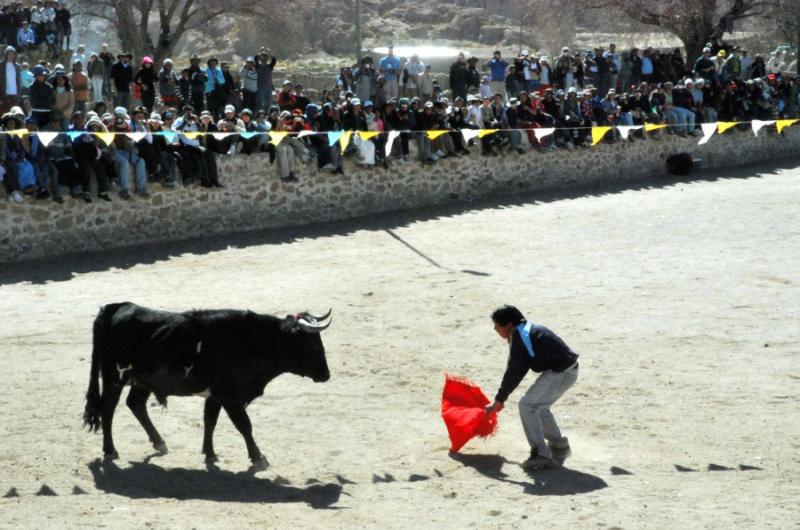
<point x="74" y="135"/>
<point x="169" y="136"/>
<point x="334" y="137"/>
<point x="248" y="134"/>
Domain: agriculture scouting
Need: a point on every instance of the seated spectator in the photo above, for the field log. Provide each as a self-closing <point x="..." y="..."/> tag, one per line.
<point x="26" y="37"/>
<point x="47" y="178"/>
<point x="88" y="159"/>
<point x="127" y="157"/>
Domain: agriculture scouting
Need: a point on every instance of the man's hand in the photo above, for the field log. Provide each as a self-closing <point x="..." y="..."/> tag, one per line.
<point x="497" y="406"/>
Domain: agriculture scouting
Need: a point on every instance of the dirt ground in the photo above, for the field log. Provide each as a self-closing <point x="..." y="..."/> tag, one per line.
<point x="682" y="300"/>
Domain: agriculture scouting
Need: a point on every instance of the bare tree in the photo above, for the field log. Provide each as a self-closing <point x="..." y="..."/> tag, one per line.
<point x="785" y="14"/>
<point x="694" y="22"/>
<point x="153" y="27"/>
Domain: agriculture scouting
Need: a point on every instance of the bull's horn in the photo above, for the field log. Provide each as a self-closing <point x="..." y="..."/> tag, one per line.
<point x="312" y="327"/>
<point x="323" y="317"/>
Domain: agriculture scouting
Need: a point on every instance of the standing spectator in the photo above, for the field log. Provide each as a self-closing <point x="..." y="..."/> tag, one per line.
<point x="96" y="69"/>
<point x="636" y="67"/>
<point x="426" y="83"/>
<point x="41" y="97"/>
<point x="80" y="86"/>
<point x="214" y="87"/>
<point x="411" y="72"/>
<point x="146" y="79"/>
<point x="678" y="66"/>
<point x="776" y="63"/>
<point x="497" y="69"/>
<point x="458" y="77"/>
<point x="389" y="67"/>
<point x="758" y="69"/>
<point x="36" y="19"/>
<point x="26" y="38"/>
<point x="197" y="83"/>
<point x="184" y="91"/>
<point x="473" y="75"/>
<point x="63" y="100"/>
<point x="121" y="78"/>
<point x="108" y="60"/>
<point x="63" y="26"/>
<point x="745" y="63"/>
<point x="265" y="64"/>
<point x="230" y="92"/>
<point x="614" y="61"/>
<point x="564" y="70"/>
<point x="286" y="97"/>
<point x="248" y="76"/>
<point x="364" y="78"/>
<point x="168" y="84"/>
<point x="647" y="66"/>
<point x="704" y="66"/>
<point x="10" y="81"/>
<point x="78" y="56"/>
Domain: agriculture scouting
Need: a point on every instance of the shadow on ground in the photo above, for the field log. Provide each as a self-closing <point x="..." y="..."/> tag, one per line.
<point x="65" y="267"/>
<point x="149" y="481"/>
<point x="558" y="481"/>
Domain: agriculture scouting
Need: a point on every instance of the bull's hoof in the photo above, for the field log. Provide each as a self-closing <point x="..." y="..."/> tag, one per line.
<point x="161" y="448"/>
<point x="259" y="464"/>
<point x="111" y="455"/>
<point x="211" y="459"/>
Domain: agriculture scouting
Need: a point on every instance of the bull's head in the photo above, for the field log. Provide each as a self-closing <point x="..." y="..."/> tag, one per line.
<point x="307" y="357"/>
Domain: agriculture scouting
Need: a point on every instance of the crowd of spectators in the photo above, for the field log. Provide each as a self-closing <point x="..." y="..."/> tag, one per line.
<point x="176" y="121"/>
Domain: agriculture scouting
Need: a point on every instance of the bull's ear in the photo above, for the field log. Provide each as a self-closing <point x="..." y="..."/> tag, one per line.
<point x="289" y="324"/>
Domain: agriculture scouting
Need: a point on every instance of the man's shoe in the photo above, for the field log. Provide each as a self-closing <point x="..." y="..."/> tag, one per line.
<point x="15" y="197"/>
<point x="104" y="196"/>
<point x="87" y="198"/>
<point x="42" y="194"/>
<point x="59" y="199"/>
<point x="537" y="463"/>
<point x="125" y="195"/>
<point x="562" y="444"/>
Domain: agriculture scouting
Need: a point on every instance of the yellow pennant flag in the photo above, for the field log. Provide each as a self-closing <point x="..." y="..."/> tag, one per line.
<point x="344" y="141"/>
<point x="782" y="124"/>
<point x="366" y="135"/>
<point x="598" y="133"/>
<point x="193" y="135"/>
<point x="486" y="132"/>
<point x="433" y="135"/>
<point x="19" y="133"/>
<point x="276" y="137"/>
<point x="723" y="126"/>
<point x="654" y="126"/>
<point x="106" y="137"/>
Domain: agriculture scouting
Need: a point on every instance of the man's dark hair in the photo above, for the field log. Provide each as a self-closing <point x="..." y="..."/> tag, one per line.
<point x="508" y="314"/>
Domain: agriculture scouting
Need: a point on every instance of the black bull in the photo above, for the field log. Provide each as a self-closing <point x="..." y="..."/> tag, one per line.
<point x="227" y="356"/>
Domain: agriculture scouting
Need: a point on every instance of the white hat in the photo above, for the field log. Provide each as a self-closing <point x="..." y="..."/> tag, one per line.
<point x="229" y="108"/>
<point x="122" y="111"/>
<point x="572" y="90"/>
<point x="524" y="53"/>
<point x="354" y="102"/>
<point x="544" y="58"/>
<point x="429" y="104"/>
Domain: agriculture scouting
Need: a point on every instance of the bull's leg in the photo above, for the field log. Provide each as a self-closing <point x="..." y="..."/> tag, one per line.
<point x="241" y="420"/>
<point x="110" y="399"/>
<point x="137" y="402"/>
<point x="210" y="416"/>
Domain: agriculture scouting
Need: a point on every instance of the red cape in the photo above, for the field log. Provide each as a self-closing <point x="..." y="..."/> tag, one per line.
<point x="463" y="412"/>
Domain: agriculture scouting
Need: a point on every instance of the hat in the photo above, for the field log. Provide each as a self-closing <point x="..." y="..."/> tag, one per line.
<point x="247" y="112"/>
<point x="429" y="105"/>
<point x="16" y="111"/>
<point x="250" y="59"/>
<point x="194" y="57"/>
<point x="285" y="115"/>
<point x="287" y="82"/>
<point x="544" y="59"/>
<point x="524" y="53"/>
<point x="147" y="60"/>
<point x="706" y="50"/>
<point x="206" y="113"/>
<point x="129" y="55"/>
<point x="39" y="70"/>
<point x="155" y="117"/>
<point x="367" y="103"/>
<point x="513" y="102"/>
<point x="354" y="102"/>
<point x="229" y="108"/>
<point x="120" y="111"/>
<point x="572" y="90"/>
<point x="721" y="53"/>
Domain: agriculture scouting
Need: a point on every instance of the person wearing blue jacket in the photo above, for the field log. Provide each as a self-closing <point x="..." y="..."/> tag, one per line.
<point x="497" y="68"/>
<point x="536" y="348"/>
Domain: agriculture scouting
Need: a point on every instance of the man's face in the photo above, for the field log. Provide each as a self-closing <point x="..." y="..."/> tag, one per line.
<point x="503" y="331"/>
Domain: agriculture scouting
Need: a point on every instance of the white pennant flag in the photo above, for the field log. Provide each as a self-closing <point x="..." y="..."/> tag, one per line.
<point x="541" y="133"/>
<point x="625" y="130"/>
<point x="136" y="136"/>
<point x="305" y="133"/>
<point x="758" y="125"/>
<point x="469" y="134"/>
<point x="47" y="137"/>
<point x="708" y="131"/>
<point x="390" y="141"/>
<point x="220" y="135"/>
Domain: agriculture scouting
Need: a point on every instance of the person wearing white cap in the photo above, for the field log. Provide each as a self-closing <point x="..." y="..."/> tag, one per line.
<point x="564" y="69"/>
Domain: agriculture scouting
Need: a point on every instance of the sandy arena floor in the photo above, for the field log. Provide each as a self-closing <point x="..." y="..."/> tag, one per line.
<point x="683" y="300"/>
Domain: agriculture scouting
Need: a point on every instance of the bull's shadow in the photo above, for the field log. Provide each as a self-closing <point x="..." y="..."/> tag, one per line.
<point x="149" y="481"/>
<point x="558" y="481"/>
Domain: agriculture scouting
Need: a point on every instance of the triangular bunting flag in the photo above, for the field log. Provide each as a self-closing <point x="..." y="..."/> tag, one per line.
<point x="46" y="137"/>
<point x="469" y="134"/>
<point x="19" y="133"/>
<point x="433" y="135"/>
<point x="625" y="130"/>
<point x="759" y="124"/>
<point x="723" y="126"/>
<point x="782" y="124"/>
<point x="169" y="136"/>
<point x="344" y="141"/>
<point x="333" y="137"/>
<point x="106" y="137"/>
<point x="389" y="141"/>
<point x="248" y="134"/>
<point x="598" y="133"/>
<point x="136" y="136"/>
<point x="220" y="135"/>
<point x="541" y="133"/>
<point x="276" y="137"/>
<point x="708" y="131"/>
<point x="654" y="126"/>
<point x="366" y="135"/>
<point x="486" y="132"/>
<point x="193" y="135"/>
<point x="73" y="135"/>
<point x="303" y="134"/>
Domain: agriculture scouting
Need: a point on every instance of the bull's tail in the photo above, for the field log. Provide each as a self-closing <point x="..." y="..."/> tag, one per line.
<point x="94" y="400"/>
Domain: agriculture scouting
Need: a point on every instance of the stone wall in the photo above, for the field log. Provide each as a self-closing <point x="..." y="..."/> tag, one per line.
<point x="254" y="198"/>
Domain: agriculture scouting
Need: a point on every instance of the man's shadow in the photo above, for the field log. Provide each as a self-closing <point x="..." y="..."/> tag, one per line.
<point x="557" y="481"/>
<point x="149" y="481"/>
